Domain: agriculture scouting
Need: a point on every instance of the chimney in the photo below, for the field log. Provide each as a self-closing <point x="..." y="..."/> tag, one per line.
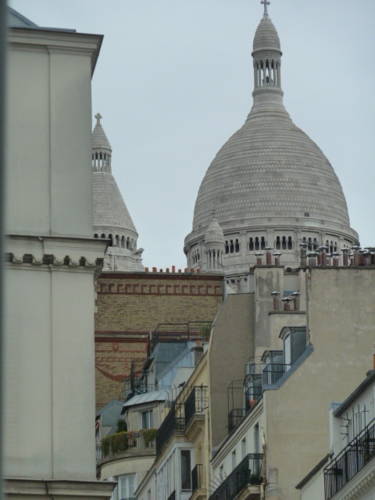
<point x="322" y="260"/>
<point x="269" y="256"/>
<point x="345" y="257"/>
<point x="303" y="255"/>
<point x="277" y="256"/>
<point x="276" y="300"/>
<point x="286" y="301"/>
<point x="335" y="259"/>
<point x="312" y="257"/>
<point x="259" y="256"/>
<point x="356" y="255"/>
<point x="296" y="300"/>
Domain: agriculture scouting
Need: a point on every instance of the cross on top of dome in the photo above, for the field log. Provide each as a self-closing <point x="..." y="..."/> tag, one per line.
<point x="266" y="3"/>
<point x="98" y="117"/>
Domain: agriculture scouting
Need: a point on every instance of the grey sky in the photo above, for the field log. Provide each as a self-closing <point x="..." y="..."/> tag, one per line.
<point x="174" y="81"/>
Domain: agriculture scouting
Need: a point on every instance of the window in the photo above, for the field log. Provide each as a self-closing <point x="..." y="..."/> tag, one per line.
<point x="243" y="448"/>
<point x="234" y="460"/>
<point x="256" y="438"/>
<point x="222" y="472"/>
<point x="251" y="244"/>
<point x="147" y="419"/>
<point x="185" y="470"/>
<point x="294" y="344"/>
<point x="125" y="487"/>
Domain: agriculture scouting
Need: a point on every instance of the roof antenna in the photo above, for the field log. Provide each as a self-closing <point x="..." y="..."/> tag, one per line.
<point x="265" y="3"/>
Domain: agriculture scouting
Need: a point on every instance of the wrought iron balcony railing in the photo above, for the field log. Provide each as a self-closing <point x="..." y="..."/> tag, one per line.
<point x="247" y="473"/>
<point x="173" y="422"/>
<point x="273" y="372"/>
<point x="197" y="478"/>
<point x="196" y="403"/>
<point x="358" y="453"/>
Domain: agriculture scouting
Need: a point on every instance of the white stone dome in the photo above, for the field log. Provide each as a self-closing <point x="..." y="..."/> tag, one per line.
<point x="270" y="169"/>
<point x="266" y="36"/>
<point x="111" y="218"/>
<point x="214" y="233"/>
<point x="270" y="184"/>
<point x="110" y="211"/>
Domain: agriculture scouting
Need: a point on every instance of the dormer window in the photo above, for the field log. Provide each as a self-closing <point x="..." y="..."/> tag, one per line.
<point x="295" y="340"/>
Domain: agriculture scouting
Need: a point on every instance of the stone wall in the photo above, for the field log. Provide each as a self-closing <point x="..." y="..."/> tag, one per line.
<point x="131" y="305"/>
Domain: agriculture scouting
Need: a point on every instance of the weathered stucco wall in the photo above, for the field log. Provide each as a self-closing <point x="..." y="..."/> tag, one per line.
<point x="231" y="346"/>
<point x="341" y="321"/>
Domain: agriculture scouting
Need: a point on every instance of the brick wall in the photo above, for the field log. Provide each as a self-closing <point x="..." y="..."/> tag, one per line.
<point x="130" y="305"/>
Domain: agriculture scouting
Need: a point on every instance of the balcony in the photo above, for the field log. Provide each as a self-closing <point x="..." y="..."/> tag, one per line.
<point x="245" y="477"/>
<point x="195" y="406"/>
<point x="353" y="458"/>
<point x="126" y="445"/>
<point x="273" y="372"/>
<point x="173" y="423"/>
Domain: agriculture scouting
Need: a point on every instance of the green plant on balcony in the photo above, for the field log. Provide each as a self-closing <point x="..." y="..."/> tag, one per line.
<point x="149" y="435"/>
<point x="121" y="426"/>
<point x="115" y="443"/>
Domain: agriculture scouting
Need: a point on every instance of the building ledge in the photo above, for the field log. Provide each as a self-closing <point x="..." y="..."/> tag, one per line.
<point x="53" y="488"/>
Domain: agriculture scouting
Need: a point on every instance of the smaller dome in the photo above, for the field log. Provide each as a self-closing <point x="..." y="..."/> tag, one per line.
<point x="266" y="36"/>
<point x="214" y="233"/>
<point x="99" y="139"/>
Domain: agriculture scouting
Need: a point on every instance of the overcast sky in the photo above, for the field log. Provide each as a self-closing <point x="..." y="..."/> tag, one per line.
<point x="174" y="81"/>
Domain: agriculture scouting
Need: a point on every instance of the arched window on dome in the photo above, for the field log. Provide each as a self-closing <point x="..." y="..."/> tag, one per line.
<point x="226" y="247"/>
<point x="251" y="244"/>
<point x="262" y="243"/>
<point x="237" y="246"/>
<point x="127" y="242"/>
<point x="256" y="246"/>
<point x="283" y="243"/>
<point x="231" y="246"/>
<point x="278" y="243"/>
<point x="110" y="237"/>
<point x="122" y="241"/>
<point x="103" y="236"/>
<point x="315" y="244"/>
<point x="310" y="244"/>
<point x="335" y="246"/>
<point x="290" y="243"/>
<point x="95" y="235"/>
<point x="117" y="240"/>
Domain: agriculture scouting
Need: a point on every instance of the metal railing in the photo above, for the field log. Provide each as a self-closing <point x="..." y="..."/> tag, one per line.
<point x="196" y="403"/>
<point x="197" y="478"/>
<point x="179" y="332"/>
<point x="358" y="453"/>
<point x="247" y="473"/>
<point x="235" y="417"/>
<point x="173" y="422"/>
<point x="273" y="372"/>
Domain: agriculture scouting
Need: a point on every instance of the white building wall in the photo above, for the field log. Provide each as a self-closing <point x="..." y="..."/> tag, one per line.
<point x="49" y="182"/>
<point x="49" y="325"/>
